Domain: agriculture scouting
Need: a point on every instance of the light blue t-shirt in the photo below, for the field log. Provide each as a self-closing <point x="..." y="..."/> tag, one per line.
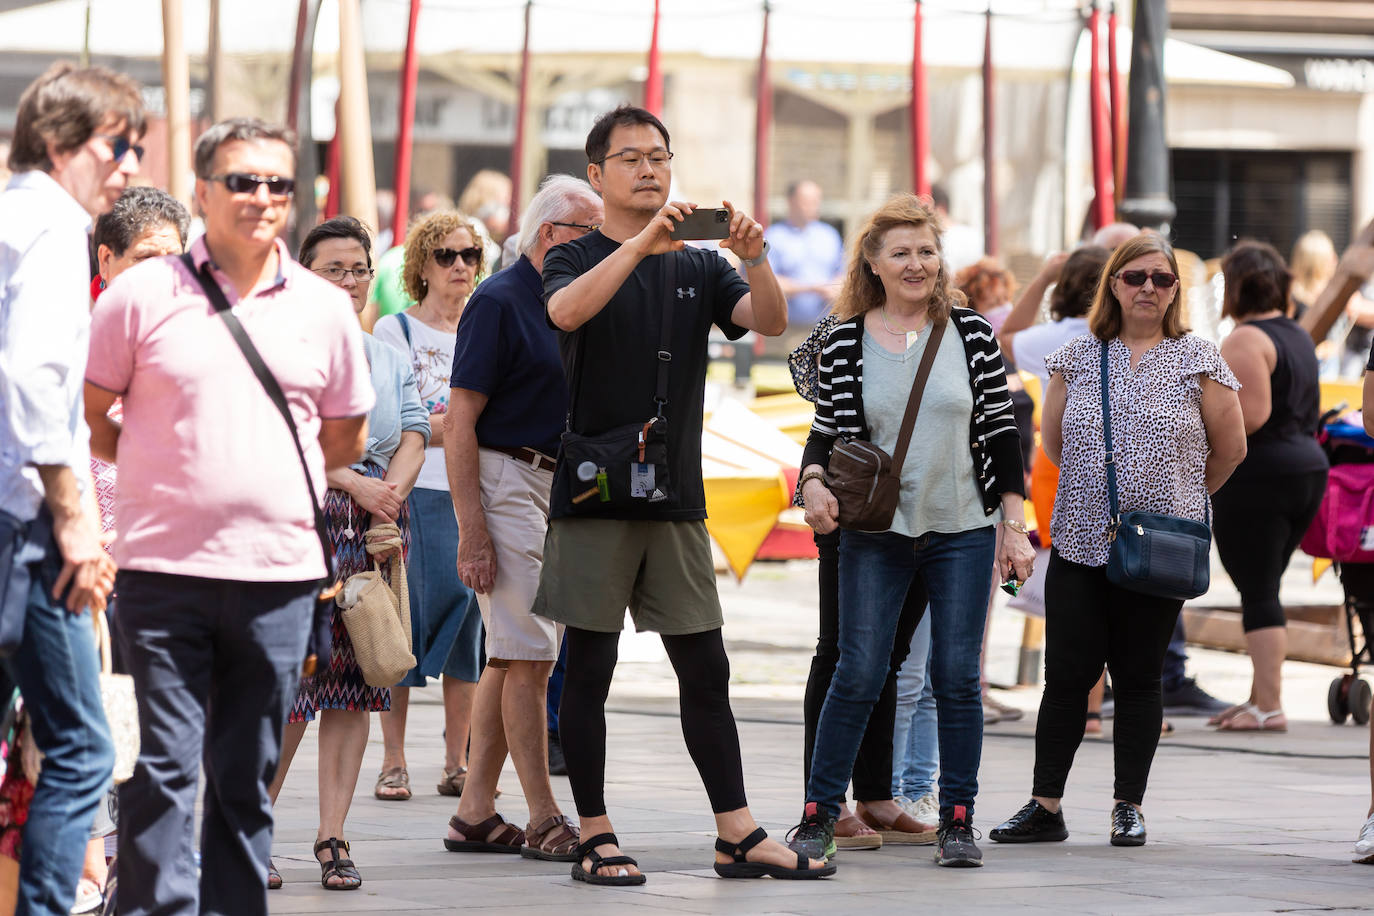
<point x="812" y="254"/>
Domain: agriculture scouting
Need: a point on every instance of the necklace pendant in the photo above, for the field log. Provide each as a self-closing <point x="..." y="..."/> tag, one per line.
<point x="911" y="338"/>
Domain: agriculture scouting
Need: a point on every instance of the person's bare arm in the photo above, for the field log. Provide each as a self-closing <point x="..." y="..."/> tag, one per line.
<point x="343" y="441"/>
<point x="580" y="301"/>
<point x="822" y="509"/>
<point x="476" y="553"/>
<point x="86" y="567"/>
<point x="1221" y="416"/>
<point x="1352" y="272"/>
<point x="1027" y="305"/>
<point x="1052" y="418"/>
<point x="104" y="431"/>
<point x="404" y="468"/>
<point x="1360" y="310"/>
<point x="436" y="428"/>
<point x="1251" y="355"/>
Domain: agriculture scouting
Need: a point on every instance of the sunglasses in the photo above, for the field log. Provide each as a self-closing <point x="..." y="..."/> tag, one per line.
<point x="120" y="147"/>
<point x="445" y="257"/>
<point x="1162" y="279"/>
<point x="244" y="183"/>
<point x="583" y="226"/>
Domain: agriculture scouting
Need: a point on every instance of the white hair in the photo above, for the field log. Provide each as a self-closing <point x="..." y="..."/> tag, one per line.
<point x="558" y="198"/>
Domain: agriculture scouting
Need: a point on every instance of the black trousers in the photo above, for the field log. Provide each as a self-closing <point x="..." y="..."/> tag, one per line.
<point x="1090" y="622"/>
<point x="1258" y="523"/>
<point x="873" y="767"/>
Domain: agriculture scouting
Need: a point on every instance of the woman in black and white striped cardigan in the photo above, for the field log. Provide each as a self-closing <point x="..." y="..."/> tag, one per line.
<point x="962" y="476"/>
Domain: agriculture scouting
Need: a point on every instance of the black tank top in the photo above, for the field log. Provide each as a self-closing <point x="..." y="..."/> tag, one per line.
<point x="1286" y="443"/>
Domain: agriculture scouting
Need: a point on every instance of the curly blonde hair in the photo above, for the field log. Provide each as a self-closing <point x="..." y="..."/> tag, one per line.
<point x="423" y="238"/>
<point x="863" y="289"/>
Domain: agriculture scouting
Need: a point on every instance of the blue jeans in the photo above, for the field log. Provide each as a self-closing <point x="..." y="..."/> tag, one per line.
<point x="216" y="664"/>
<point x="553" y="697"/>
<point x="875" y="573"/>
<point x="915" y="742"/>
<point x="56" y="667"/>
<point x="445" y="622"/>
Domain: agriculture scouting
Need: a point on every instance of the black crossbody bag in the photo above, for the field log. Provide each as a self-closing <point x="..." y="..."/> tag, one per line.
<point x="1161" y="555"/>
<point x="624" y="467"/>
<point x="319" y="645"/>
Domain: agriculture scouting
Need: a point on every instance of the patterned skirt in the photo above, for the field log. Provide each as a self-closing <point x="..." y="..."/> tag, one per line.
<point x="341" y="685"/>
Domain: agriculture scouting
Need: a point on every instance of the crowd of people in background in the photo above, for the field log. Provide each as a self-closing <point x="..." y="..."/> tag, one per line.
<point x="204" y="435"/>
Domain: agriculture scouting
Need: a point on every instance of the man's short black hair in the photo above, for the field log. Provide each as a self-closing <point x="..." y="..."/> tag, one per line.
<point x="340" y="227"/>
<point x="599" y="139"/>
<point x="136" y="211"/>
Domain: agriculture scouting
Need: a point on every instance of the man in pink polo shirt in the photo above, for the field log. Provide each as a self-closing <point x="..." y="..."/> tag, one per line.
<point x="219" y="561"/>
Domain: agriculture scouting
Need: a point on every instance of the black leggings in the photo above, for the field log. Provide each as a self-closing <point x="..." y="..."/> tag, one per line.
<point x="1258" y="522"/>
<point x="708" y="725"/>
<point x="1090" y="622"/>
<point x="873" y="766"/>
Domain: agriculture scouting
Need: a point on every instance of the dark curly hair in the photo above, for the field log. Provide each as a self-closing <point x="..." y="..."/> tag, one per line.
<point x="1077" y="283"/>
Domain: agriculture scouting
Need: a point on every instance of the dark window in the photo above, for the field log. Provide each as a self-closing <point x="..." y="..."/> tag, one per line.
<point x="1225" y="195"/>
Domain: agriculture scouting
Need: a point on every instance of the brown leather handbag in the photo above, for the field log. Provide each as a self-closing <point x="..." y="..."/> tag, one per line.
<point x="866" y="481"/>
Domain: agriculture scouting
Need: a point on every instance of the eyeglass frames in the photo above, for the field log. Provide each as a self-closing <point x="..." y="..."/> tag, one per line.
<point x="633" y="158"/>
<point x="121" y="145"/>
<point x="245" y="183"/>
<point x="583" y="226"/>
<point x="445" y="257"/>
<point x="1162" y="279"/>
<point x="336" y="274"/>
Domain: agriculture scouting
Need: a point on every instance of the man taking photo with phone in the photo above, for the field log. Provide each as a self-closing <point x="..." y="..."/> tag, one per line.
<point x="628" y="508"/>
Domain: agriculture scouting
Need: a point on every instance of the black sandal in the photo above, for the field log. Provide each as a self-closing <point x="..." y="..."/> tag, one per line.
<point x="337" y="867"/>
<point x="742" y="868"/>
<point x="587" y="850"/>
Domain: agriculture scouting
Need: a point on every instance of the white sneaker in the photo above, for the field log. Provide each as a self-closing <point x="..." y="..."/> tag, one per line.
<point x="1364" y="846"/>
<point x="926" y="809"/>
<point x="905" y="804"/>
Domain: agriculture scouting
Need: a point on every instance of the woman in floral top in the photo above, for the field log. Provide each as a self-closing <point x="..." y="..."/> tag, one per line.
<point x="1177" y="433"/>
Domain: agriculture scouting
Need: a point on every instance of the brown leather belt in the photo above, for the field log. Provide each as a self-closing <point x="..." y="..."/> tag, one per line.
<point x="533" y="457"/>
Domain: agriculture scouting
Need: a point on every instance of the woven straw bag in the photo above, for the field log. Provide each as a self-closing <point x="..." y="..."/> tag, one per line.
<point x="121" y="707"/>
<point x="378" y="618"/>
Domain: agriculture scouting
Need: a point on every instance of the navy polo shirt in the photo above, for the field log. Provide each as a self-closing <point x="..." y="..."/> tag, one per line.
<point x="506" y="350"/>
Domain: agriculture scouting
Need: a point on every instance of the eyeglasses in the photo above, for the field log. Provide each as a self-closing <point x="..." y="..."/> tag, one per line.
<point x="336" y="274"/>
<point x="1162" y="279"/>
<point x="583" y="226"/>
<point x="633" y="159"/>
<point x="445" y="257"/>
<point x="121" y="145"/>
<point x="245" y="183"/>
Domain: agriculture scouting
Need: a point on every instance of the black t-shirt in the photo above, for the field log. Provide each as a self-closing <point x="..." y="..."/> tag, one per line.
<point x="612" y="360"/>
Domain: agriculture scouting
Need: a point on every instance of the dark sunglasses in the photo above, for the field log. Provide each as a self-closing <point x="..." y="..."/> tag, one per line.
<point x="120" y="147"/>
<point x="244" y="183"/>
<point x="1162" y="279"/>
<point x="445" y="257"/>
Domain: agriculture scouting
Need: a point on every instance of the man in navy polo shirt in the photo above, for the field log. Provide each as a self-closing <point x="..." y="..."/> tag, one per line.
<point x="506" y="412"/>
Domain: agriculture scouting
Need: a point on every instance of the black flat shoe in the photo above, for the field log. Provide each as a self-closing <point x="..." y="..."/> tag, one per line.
<point x="1128" y="825"/>
<point x="1034" y="823"/>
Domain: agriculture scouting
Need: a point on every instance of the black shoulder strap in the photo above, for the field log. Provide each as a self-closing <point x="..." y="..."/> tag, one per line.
<point x="273" y="390"/>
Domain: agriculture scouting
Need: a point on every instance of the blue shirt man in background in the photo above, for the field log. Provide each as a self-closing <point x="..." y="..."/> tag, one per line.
<point x="806" y="254"/>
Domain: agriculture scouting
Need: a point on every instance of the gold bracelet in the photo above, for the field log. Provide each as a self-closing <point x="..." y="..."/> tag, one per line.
<point x="1016" y="526"/>
<point x="810" y="475"/>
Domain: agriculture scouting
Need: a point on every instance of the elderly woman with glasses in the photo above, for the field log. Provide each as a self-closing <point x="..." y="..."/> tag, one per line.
<point x="443" y="262"/>
<point x="364" y="496"/>
<point x="1177" y="434"/>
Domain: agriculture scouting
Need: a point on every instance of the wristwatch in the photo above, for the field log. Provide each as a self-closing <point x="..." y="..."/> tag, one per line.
<point x="755" y="262"/>
<point x="1014" y="525"/>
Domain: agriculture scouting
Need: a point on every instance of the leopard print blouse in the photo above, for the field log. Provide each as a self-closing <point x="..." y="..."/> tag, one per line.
<point x="1157" y="431"/>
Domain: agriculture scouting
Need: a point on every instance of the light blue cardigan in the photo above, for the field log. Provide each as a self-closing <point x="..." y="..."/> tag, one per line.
<point x="398" y="406"/>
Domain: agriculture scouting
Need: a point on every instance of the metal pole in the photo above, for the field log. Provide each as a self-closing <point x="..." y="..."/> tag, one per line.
<point x="298" y="118"/>
<point x="405" y="129"/>
<point x="176" y="82"/>
<point x="989" y="135"/>
<point x="298" y="60"/>
<point x="920" y="111"/>
<point x="653" y="86"/>
<point x="763" y="122"/>
<point x="214" y="66"/>
<point x="1114" y="87"/>
<point x="1103" y="198"/>
<point x="517" y="150"/>
<point x="359" y="197"/>
<point x="1146" y="200"/>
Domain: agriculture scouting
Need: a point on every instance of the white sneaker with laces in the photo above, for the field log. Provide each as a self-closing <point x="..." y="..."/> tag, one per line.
<point x="927" y="809"/>
<point x="1364" y="846"/>
<point x="904" y="803"/>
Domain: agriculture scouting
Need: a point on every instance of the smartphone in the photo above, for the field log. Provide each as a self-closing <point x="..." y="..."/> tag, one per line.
<point x="704" y="224"/>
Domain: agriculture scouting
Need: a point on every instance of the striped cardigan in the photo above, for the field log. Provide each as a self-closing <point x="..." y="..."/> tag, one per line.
<point x="994" y="443"/>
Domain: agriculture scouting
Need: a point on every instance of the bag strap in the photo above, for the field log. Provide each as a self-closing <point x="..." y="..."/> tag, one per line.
<point x="913" y="404"/>
<point x="405" y="327"/>
<point x="274" y="393"/>
<point x="1113" y="513"/>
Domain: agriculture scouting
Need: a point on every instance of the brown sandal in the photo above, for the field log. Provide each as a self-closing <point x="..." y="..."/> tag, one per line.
<point x="497" y="833"/>
<point x="904" y="830"/>
<point x="848" y="835"/>
<point x="454" y="781"/>
<point x="555" y="840"/>
<point x="394" y="778"/>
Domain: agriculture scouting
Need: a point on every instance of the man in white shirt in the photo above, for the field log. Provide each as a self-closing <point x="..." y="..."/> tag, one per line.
<point x="72" y="152"/>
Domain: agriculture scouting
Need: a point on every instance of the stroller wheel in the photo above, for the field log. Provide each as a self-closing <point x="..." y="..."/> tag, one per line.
<point x="1358" y="701"/>
<point x="1335" y="700"/>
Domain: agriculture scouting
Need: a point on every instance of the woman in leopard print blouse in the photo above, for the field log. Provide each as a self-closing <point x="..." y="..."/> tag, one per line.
<point x="1177" y="432"/>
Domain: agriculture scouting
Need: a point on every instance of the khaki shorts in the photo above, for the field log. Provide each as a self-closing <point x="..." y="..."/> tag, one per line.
<point x="515" y="498"/>
<point x="662" y="571"/>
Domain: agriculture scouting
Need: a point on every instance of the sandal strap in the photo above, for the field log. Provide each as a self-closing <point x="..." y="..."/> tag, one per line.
<point x="495" y="829"/>
<point x="333" y="844"/>
<point x="741" y="849"/>
<point x="598" y="862"/>
<point x="587" y="848"/>
<point x="555" y="835"/>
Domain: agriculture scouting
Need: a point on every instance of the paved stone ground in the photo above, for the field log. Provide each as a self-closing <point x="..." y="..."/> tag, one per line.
<point x="1238" y="823"/>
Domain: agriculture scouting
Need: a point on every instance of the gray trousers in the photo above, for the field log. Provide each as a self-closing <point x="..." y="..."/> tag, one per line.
<point x="215" y="664"/>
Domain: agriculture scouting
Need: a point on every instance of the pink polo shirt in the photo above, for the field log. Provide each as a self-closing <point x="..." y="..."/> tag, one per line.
<point x="209" y="481"/>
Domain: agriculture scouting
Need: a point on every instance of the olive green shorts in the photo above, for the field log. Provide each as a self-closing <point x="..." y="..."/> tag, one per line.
<point x="594" y="568"/>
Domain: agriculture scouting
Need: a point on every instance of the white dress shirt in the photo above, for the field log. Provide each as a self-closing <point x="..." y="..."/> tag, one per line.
<point x="44" y="337"/>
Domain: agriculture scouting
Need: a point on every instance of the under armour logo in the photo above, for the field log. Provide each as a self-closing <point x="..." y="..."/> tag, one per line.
<point x="690" y="292"/>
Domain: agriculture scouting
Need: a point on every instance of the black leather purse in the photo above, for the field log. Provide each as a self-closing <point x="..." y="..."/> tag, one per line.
<point x="1161" y="555"/>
